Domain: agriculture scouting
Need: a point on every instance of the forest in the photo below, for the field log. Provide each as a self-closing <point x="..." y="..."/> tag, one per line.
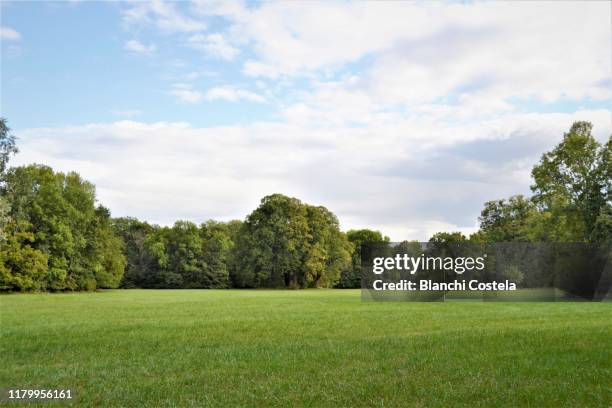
<point x="55" y="236"/>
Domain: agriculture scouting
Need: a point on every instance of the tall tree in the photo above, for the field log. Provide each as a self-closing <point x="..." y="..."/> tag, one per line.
<point x="572" y="182"/>
<point x="507" y="220"/>
<point x="271" y="244"/>
<point x="60" y="213"/>
<point x="8" y="146"/>
<point x="571" y="200"/>
<point x="351" y="277"/>
<point x="139" y="264"/>
<point x="285" y="243"/>
<point x="22" y="267"/>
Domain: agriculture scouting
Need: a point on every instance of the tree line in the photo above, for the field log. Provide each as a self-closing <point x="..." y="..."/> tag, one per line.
<point x="54" y="236"/>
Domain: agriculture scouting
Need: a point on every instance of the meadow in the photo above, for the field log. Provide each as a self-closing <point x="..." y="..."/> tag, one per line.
<point x="304" y="348"/>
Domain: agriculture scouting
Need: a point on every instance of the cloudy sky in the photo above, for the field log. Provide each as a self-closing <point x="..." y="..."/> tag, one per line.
<point x="399" y="116"/>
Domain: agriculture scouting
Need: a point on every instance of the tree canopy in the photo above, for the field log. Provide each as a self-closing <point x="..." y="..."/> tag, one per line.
<point x="285" y="243"/>
<point x="8" y="146"/>
<point x="58" y="239"/>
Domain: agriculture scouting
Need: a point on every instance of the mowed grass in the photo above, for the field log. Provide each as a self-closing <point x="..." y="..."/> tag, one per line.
<point x="304" y="348"/>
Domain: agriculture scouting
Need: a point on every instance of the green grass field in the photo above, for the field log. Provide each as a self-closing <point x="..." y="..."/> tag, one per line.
<point x="304" y="348"/>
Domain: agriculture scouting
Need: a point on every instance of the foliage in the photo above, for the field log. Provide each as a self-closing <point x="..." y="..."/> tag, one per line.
<point x="507" y="220"/>
<point x="351" y="277"/>
<point x="134" y="233"/>
<point x="21" y="266"/>
<point x="8" y="146"/>
<point x="55" y="214"/>
<point x="447" y="238"/>
<point x="183" y="256"/>
<point x="571" y="196"/>
<point x="285" y="243"/>
<point x="572" y="184"/>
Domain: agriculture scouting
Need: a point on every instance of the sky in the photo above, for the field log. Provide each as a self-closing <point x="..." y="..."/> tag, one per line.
<point x="399" y="116"/>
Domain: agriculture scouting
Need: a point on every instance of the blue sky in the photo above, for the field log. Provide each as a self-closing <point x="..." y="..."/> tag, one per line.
<point x="72" y="67"/>
<point x="404" y="117"/>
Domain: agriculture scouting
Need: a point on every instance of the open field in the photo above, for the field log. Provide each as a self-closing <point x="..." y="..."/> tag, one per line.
<point x="310" y="347"/>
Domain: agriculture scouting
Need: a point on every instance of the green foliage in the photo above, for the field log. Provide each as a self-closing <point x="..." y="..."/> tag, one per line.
<point x="351" y="277"/>
<point x="8" y="146"/>
<point x="183" y="256"/>
<point x="4" y="217"/>
<point x="572" y="183"/>
<point x="448" y="238"/>
<point x="571" y="200"/>
<point x="21" y="266"/>
<point x="602" y="231"/>
<point x="58" y="213"/>
<point x="507" y="220"/>
<point x="285" y="243"/>
<point x="134" y="233"/>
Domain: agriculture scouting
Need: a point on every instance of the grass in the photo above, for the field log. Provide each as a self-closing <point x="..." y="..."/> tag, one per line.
<point x="304" y="348"/>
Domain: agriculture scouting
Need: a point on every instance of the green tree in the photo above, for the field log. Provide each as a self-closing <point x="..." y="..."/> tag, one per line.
<point x="8" y="145"/>
<point x="328" y="250"/>
<point x="572" y="183"/>
<point x="182" y="256"/>
<point x="351" y="277"/>
<point x="184" y="250"/>
<point x="139" y="263"/>
<point x="448" y="238"/>
<point x="507" y="220"/>
<point x="22" y="267"/>
<point x="285" y="243"/>
<point x="59" y="210"/>
<point x="571" y="200"/>
<point x="271" y="245"/>
<point x="216" y="248"/>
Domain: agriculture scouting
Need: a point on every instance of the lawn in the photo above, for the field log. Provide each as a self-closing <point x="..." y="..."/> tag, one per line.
<point x="304" y="348"/>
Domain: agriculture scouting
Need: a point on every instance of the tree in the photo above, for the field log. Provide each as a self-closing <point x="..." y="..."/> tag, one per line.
<point x="4" y="218"/>
<point x="182" y="256"/>
<point x="106" y="251"/>
<point x="271" y="244"/>
<point x="22" y="267"/>
<point x="572" y="183"/>
<point x="139" y="264"/>
<point x="571" y="200"/>
<point x="448" y="238"/>
<point x="285" y="243"/>
<point x="8" y="146"/>
<point x="59" y="212"/>
<point x="329" y="251"/>
<point x="351" y="277"/>
<point x="216" y="248"/>
<point x="507" y="220"/>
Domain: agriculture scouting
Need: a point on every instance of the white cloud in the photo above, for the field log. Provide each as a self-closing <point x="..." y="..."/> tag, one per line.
<point x="408" y="178"/>
<point x="7" y="33"/>
<point x="140" y="48"/>
<point x="413" y="53"/>
<point x="214" y="44"/>
<point x="163" y="15"/>
<point x="185" y="93"/>
<point x="232" y="94"/>
<point x="421" y="52"/>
